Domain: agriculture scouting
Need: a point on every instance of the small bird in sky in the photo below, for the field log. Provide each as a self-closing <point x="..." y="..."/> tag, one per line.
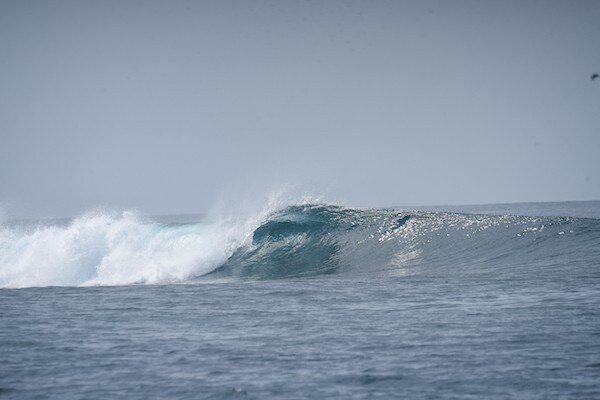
<point x="594" y="76"/>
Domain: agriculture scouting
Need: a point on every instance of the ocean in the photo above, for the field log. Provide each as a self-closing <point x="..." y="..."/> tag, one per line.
<point x="304" y="301"/>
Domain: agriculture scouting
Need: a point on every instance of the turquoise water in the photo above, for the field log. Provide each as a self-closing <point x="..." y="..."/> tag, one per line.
<point x="304" y="302"/>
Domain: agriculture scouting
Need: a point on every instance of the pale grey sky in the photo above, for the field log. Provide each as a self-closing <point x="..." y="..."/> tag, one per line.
<point x="171" y="106"/>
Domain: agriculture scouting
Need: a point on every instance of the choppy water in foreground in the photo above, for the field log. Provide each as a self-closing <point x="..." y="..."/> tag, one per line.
<point x="304" y="302"/>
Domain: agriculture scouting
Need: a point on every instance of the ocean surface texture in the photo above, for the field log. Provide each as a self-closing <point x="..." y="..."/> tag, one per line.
<point x="305" y="301"/>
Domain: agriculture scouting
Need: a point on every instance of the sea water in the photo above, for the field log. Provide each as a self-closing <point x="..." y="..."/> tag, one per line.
<point x="305" y="301"/>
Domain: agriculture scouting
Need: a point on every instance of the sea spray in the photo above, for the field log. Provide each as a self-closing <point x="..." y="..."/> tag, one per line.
<point x="103" y="248"/>
<point x="107" y="250"/>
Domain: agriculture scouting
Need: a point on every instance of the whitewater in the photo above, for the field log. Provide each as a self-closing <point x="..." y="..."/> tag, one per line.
<point x="304" y="300"/>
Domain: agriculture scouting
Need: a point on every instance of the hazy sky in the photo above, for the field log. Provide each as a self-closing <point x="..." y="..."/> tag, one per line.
<point x="171" y="106"/>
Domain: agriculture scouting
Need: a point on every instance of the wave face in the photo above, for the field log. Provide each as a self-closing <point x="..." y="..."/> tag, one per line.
<point x="315" y="239"/>
<point x="297" y="241"/>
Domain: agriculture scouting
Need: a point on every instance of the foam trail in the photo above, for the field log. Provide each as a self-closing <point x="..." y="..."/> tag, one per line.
<point x="104" y="250"/>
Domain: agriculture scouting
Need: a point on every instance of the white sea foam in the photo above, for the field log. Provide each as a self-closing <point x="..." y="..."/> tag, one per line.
<point x="103" y="249"/>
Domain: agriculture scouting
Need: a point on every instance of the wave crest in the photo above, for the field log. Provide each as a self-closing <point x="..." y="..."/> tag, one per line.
<point x="295" y="241"/>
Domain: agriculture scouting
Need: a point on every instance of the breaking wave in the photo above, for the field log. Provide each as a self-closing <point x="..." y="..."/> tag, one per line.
<point x="302" y="240"/>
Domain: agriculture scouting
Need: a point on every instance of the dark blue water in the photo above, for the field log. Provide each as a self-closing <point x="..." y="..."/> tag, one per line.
<point x="317" y="302"/>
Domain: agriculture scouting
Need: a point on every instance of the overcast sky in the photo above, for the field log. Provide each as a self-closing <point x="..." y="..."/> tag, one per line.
<point x="171" y="106"/>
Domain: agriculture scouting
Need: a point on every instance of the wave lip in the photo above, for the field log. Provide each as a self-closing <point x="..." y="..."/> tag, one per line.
<point x="295" y="242"/>
<point x="315" y="239"/>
